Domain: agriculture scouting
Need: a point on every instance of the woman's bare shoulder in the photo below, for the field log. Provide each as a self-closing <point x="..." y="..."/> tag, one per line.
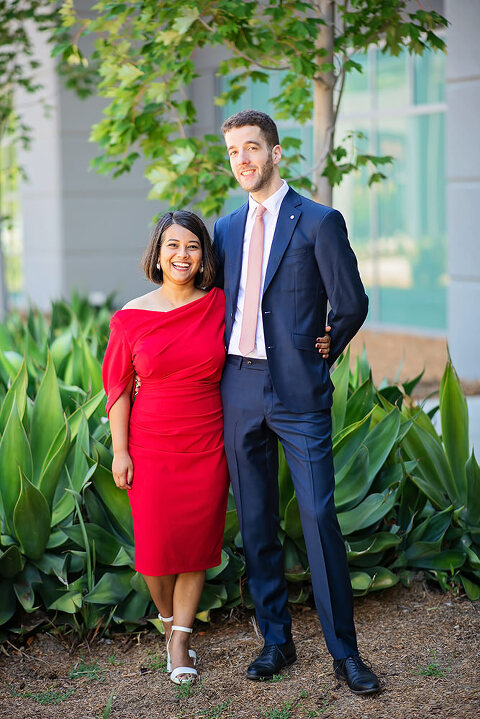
<point x="144" y="302"/>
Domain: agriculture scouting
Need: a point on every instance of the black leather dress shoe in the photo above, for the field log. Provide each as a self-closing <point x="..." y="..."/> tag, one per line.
<point x="360" y="678"/>
<point x="271" y="659"/>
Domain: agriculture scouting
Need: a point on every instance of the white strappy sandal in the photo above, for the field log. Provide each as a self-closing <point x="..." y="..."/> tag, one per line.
<point x="191" y="652"/>
<point x="178" y="675"/>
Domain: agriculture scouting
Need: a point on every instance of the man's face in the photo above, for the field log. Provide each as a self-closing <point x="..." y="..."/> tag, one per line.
<point x="252" y="163"/>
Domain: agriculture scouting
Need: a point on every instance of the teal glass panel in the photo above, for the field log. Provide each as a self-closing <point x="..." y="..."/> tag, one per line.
<point x="429" y="78"/>
<point x="356" y="93"/>
<point x="410" y="243"/>
<point x="391" y="81"/>
<point x="353" y="199"/>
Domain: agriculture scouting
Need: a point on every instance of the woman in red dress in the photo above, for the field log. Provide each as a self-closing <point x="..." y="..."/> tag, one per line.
<point x="168" y="442"/>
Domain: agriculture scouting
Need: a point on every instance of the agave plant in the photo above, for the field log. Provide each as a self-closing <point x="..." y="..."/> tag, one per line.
<point x="407" y="499"/>
<point x="40" y="447"/>
<point x="444" y="493"/>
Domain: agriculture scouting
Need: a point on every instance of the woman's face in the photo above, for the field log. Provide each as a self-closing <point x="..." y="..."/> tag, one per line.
<point x="180" y="256"/>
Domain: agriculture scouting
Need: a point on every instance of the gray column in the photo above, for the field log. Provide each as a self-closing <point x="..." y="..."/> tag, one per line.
<point x="463" y="185"/>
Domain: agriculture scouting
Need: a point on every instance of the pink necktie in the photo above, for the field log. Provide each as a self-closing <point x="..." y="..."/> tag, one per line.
<point x="252" y="287"/>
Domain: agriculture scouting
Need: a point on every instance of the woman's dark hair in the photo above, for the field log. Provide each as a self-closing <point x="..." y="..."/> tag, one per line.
<point x="191" y="222"/>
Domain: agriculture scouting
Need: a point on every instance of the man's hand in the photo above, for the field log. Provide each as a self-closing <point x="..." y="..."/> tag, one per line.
<point x="122" y="470"/>
<point x="323" y="343"/>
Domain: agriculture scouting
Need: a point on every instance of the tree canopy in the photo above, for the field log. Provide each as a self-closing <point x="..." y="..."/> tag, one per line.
<point x="145" y="53"/>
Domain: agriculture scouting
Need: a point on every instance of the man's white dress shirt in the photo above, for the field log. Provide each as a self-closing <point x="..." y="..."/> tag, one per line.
<point x="272" y="205"/>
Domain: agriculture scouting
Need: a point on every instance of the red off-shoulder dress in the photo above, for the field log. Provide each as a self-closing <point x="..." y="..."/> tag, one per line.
<point x="180" y="482"/>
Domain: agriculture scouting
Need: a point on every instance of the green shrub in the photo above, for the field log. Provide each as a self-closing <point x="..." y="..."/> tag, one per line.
<point x="407" y="499"/>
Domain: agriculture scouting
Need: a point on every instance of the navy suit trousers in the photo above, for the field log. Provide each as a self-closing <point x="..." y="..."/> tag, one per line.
<point x="255" y="420"/>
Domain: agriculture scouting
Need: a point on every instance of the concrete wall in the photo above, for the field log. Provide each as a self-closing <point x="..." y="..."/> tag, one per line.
<point x="81" y="230"/>
<point x="463" y="185"/>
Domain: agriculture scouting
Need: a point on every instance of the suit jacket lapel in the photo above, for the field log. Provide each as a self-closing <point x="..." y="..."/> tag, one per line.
<point x="290" y="211"/>
<point x="235" y="250"/>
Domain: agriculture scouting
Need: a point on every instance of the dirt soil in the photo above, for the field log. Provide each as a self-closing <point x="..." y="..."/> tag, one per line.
<point x="389" y="351"/>
<point x="424" y="645"/>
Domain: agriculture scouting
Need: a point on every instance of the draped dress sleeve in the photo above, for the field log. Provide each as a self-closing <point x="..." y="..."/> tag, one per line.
<point x="117" y="369"/>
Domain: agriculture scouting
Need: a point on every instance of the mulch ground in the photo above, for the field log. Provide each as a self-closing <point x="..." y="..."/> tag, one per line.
<point x="390" y="353"/>
<point x="424" y="645"/>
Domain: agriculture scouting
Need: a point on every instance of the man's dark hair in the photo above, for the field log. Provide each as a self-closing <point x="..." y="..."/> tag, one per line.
<point x="191" y="222"/>
<point x="257" y="118"/>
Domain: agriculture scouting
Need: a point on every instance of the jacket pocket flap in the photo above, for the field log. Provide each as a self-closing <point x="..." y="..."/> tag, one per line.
<point x="304" y="342"/>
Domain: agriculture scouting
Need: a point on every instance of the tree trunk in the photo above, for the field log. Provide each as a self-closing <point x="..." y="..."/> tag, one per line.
<point x="323" y="116"/>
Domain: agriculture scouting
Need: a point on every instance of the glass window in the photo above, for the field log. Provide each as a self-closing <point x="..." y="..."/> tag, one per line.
<point x="357" y="96"/>
<point x="391" y="81"/>
<point x="397" y="227"/>
<point x="429" y="77"/>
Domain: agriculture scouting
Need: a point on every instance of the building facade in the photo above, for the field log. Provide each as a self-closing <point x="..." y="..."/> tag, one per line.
<point x="414" y="234"/>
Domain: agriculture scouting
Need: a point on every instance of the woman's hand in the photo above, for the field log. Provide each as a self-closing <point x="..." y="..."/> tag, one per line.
<point x="122" y="470"/>
<point x="323" y="343"/>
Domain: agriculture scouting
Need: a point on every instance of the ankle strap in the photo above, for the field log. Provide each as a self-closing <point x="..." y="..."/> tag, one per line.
<point x="189" y="630"/>
<point x="165" y="619"/>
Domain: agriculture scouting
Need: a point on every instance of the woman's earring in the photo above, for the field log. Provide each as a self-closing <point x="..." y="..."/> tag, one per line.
<point x="201" y="267"/>
<point x="158" y="265"/>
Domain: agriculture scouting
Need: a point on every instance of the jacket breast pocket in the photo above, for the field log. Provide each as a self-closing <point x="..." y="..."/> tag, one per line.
<point x="295" y="254"/>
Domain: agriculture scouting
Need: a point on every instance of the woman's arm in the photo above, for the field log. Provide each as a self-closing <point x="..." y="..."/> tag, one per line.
<point x="119" y="415"/>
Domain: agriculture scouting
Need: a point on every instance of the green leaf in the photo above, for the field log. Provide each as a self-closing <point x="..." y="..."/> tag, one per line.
<point x="132" y="609"/>
<point x="382" y="578"/>
<point x="86" y="410"/>
<point x="31" y="519"/>
<point x="47" y="418"/>
<point x="367" y="513"/>
<point x="432" y="466"/>
<point x="69" y="602"/>
<point x="128" y="74"/>
<point x="381" y="440"/>
<point x="472" y="590"/>
<point x="54" y="462"/>
<point x="232" y="526"/>
<point x="285" y="484"/>
<point x="449" y="559"/>
<point x="111" y="588"/>
<point x="106" y="545"/>
<point x="454" y="418"/>
<point x="340" y="378"/>
<point x="10" y="562"/>
<point x="92" y="369"/>
<point x="14" y="454"/>
<point x="213" y="596"/>
<point x="18" y="391"/>
<point x="53" y="565"/>
<point x="213" y="572"/>
<point x="360" y="581"/>
<point x="186" y="18"/>
<point x="295" y="569"/>
<point x="139" y="585"/>
<point x="354" y="484"/>
<point x="24" y="587"/>
<point x="291" y="522"/>
<point x="7" y="601"/>
<point x="374" y="544"/>
<point x="60" y="349"/>
<point x="182" y="158"/>
<point x="115" y="501"/>
<point x="346" y="444"/>
<point x="472" y="471"/>
<point x="360" y="403"/>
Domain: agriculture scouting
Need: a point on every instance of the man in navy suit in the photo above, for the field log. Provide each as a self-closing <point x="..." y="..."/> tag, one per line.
<point x="280" y="389"/>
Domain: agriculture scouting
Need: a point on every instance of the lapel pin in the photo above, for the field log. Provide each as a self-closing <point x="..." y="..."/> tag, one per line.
<point x="292" y="217"/>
